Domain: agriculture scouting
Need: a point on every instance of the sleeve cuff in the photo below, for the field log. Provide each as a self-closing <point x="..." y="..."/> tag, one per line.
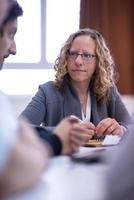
<point x="52" y="139"/>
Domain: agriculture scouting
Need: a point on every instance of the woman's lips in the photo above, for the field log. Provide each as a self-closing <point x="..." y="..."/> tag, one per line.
<point x="78" y="70"/>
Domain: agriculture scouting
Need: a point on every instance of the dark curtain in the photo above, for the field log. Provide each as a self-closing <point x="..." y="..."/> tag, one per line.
<point x="114" y="19"/>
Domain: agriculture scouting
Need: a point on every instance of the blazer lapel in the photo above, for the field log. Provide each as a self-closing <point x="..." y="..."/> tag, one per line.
<point x="98" y="110"/>
<point x="71" y="105"/>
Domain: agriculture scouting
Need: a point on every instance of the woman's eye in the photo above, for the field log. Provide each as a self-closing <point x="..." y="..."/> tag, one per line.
<point x="86" y="55"/>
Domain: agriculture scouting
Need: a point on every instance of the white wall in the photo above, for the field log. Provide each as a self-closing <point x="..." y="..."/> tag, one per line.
<point x="129" y="102"/>
<point x="19" y="102"/>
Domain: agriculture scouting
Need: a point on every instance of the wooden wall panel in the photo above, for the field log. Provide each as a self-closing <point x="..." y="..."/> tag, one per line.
<point x="114" y="19"/>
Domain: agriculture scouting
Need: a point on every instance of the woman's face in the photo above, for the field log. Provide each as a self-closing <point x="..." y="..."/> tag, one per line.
<point x="81" y="62"/>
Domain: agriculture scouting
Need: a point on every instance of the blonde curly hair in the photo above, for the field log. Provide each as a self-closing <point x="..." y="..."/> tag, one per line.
<point x="105" y="74"/>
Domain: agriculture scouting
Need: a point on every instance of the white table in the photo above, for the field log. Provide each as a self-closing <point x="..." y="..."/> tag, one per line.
<point x="66" y="180"/>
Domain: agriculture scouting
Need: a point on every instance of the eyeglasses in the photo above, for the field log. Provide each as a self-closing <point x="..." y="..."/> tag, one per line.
<point x="85" y="56"/>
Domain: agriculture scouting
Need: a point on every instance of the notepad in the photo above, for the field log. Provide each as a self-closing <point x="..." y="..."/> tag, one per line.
<point x="111" y="140"/>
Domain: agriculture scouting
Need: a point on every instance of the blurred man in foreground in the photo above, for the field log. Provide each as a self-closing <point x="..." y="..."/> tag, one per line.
<point x="23" y="155"/>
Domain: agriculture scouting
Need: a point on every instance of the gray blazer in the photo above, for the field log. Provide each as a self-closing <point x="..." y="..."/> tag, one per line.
<point x="50" y="105"/>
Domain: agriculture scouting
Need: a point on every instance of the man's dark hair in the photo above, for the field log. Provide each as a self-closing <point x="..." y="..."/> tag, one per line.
<point x="14" y="12"/>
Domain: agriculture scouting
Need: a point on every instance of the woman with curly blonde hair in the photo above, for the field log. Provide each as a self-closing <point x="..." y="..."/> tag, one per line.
<point x="84" y="86"/>
<point x="104" y="76"/>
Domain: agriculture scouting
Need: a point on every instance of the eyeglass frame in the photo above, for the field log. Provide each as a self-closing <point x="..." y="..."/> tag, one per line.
<point x="84" y="56"/>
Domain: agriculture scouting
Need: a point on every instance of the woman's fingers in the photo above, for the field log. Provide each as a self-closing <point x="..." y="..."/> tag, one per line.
<point x="109" y="126"/>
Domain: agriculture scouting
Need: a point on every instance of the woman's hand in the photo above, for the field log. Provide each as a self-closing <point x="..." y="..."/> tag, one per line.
<point x="109" y="126"/>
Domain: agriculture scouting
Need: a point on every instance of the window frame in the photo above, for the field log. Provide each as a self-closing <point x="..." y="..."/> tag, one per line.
<point x="43" y="63"/>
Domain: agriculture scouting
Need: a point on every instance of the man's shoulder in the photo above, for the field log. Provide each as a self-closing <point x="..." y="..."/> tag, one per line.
<point x="2" y="95"/>
<point x="8" y="127"/>
<point x="3" y="99"/>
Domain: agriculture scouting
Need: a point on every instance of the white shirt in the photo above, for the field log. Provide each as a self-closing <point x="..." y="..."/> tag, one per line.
<point x="86" y="116"/>
<point x="8" y="126"/>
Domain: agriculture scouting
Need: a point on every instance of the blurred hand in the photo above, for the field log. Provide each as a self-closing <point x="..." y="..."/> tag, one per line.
<point x="74" y="133"/>
<point x="81" y="132"/>
<point x="109" y="126"/>
<point x="28" y="159"/>
<point x="63" y="131"/>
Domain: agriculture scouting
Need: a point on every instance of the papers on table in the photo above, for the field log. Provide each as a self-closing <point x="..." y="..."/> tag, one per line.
<point x="111" y="140"/>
